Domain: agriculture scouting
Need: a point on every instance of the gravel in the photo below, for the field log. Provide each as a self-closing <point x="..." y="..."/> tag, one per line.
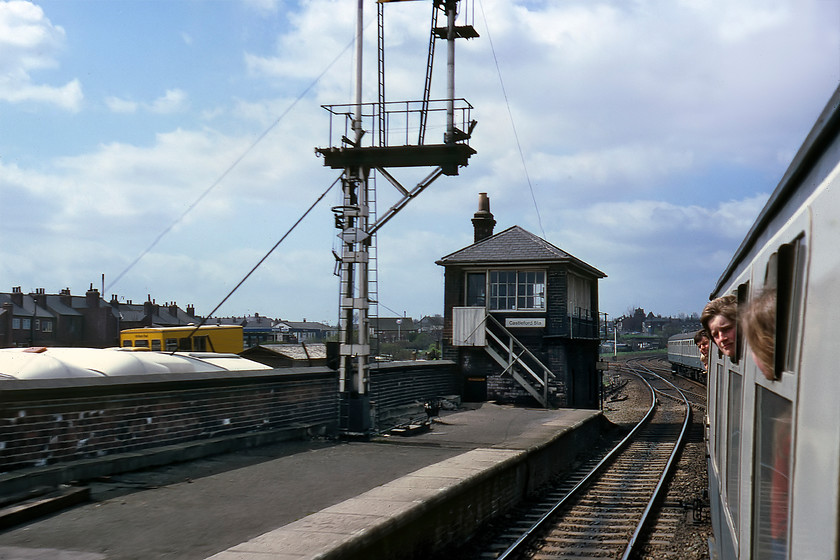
<point x="687" y="491"/>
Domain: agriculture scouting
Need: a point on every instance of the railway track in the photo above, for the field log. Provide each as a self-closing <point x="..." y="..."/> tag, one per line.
<point x="694" y="391"/>
<point x="602" y="508"/>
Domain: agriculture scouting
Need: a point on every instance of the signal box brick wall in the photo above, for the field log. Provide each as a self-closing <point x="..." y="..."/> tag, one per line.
<point x="560" y="345"/>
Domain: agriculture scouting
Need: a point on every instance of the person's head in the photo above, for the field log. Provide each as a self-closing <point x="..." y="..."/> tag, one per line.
<point x="758" y="322"/>
<point x="701" y="340"/>
<point x="720" y="319"/>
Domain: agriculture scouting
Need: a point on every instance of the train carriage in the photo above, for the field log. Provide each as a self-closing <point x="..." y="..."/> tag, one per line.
<point x="187" y="338"/>
<point x="774" y="427"/>
<point x="684" y="357"/>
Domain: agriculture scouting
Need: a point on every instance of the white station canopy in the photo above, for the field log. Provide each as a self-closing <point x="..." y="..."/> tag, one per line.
<point x="59" y="362"/>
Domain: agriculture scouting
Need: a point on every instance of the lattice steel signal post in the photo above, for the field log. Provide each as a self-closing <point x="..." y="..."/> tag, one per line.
<point x="381" y="136"/>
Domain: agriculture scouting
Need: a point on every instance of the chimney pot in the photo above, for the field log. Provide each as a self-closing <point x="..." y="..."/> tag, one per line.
<point x="483" y="221"/>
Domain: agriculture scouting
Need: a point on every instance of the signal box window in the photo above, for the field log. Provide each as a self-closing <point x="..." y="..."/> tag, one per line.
<point x="517" y="290"/>
<point x="476" y="289"/>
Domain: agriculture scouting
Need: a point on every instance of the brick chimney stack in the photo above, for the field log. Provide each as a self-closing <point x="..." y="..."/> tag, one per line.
<point x="483" y="221"/>
<point x="92" y="298"/>
<point x="40" y="297"/>
<point x="17" y="296"/>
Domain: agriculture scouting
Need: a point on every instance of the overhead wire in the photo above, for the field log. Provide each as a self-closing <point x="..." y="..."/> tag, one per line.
<point x="227" y="171"/>
<point x="263" y="259"/>
<point x="512" y="122"/>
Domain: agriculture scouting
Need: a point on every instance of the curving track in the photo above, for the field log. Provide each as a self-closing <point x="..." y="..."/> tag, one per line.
<point x="603" y="508"/>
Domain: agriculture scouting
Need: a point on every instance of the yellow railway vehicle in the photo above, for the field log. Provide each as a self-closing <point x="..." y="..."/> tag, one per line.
<point x="207" y="338"/>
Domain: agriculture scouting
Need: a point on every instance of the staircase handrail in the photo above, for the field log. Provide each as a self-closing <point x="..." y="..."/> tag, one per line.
<point x="528" y="352"/>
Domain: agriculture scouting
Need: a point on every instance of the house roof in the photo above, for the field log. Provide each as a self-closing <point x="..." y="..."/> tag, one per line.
<point x="431" y="321"/>
<point x="56" y="305"/>
<point x="514" y="246"/>
<point x="390" y="324"/>
<point x="305" y="326"/>
<point x="131" y="312"/>
<point x="28" y="309"/>
<point x="302" y="351"/>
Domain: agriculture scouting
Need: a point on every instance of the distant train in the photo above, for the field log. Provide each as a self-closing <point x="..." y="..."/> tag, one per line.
<point x="774" y="424"/>
<point x="206" y="338"/>
<point x="685" y="357"/>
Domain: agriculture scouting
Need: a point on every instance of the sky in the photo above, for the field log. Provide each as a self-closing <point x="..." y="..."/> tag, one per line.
<point x="167" y="146"/>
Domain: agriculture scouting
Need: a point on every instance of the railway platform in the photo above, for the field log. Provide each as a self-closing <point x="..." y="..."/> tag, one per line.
<point x="391" y="497"/>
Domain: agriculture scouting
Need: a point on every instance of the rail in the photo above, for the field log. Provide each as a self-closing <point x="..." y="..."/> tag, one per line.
<point x="528" y="536"/>
<point x="667" y="471"/>
<point x="520" y="543"/>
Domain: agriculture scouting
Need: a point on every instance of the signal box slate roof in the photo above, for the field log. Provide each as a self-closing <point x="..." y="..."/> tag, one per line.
<point x="515" y="246"/>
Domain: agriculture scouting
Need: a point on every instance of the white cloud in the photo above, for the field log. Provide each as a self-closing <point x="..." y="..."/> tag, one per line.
<point x="172" y="101"/>
<point x="29" y="42"/>
<point x="118" y="105"/>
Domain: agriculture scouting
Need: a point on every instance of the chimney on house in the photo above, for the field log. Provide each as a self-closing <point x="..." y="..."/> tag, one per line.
<point x="190" y="310"/>
<point x="483" y="221"/>
<point x="65" y="297"/>
<point x="17" y="296"/>
<point x="40" y="297"/>
<point x="92" y="298"/>
<point x="150" y="309"/>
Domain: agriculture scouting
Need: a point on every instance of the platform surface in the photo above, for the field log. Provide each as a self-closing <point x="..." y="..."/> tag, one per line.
<point x="202" y="508"/>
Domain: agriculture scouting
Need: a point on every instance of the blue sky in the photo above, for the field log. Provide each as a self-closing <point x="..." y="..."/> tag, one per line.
<point x="652" y="133"/>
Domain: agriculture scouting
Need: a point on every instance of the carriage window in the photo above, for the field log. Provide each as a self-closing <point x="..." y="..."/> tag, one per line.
<point x="791" y="277"/>
<point x="185" y="344"/>
<point x="127" y="343"/>
<point x="141" y="343"/>
<point x="719" y="414"/>
<point x="733" y="445"/>
<point x="156" y="344"/>
<point x="743" y="296"/>
<point x="171" y="344"/>
<point x="772" y="475"/>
